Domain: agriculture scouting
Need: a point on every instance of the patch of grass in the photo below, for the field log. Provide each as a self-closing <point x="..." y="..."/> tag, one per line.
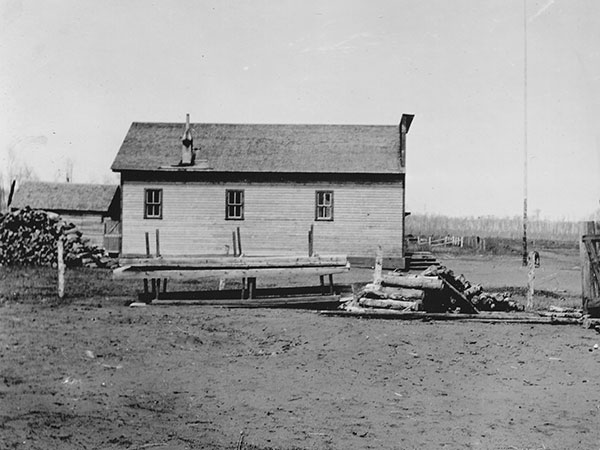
<point x="542" y="299"/>
<point x="40" y="285"/>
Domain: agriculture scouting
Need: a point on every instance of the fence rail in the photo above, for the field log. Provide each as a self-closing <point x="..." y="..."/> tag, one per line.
<point x="447" y="241"/>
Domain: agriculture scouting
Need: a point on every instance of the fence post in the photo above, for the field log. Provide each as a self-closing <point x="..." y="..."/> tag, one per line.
<point x="61" y="267"/>
<point x="530" y="281"/>
<point x="378" y="272"/>
<point x="588" y="291"/>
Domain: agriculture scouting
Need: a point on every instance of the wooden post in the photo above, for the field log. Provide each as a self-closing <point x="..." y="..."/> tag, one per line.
<point x="239" y="241"/>
<point x="588" y="291"/>
<point x="378" y="273"/>
<point x="61" y="267"/>
<point x="251" y="287"/>
<point x="311" y="240"/>
<point x="147" y="235"/>
<point x="530" y="281"/>
<point x="157" y="243"/>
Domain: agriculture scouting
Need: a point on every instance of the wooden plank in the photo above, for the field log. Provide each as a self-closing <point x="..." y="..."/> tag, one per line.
<point x="298" y="291"/>
<point x="463" y="301"/>
<point x="157" y="243"/>
<point x="239" y="262"/>
<point x="253" y="303"/>
<point x="239" y="241"/>
<point x="128" y="273"/>
<point x="368" y="262"/>
<point x="516" y="318"/>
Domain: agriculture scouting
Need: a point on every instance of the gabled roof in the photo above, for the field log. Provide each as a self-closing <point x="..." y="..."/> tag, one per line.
<point x="64" y="196"/>
<point x="264" y="148"/>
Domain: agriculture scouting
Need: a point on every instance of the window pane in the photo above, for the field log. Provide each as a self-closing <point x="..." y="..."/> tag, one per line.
<point x="234" y="204"/>
<point x="153" y="203"/>
<point x="324" y="205"/>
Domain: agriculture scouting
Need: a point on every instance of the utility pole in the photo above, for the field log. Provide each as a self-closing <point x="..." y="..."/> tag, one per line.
<point x="525" y="133"/>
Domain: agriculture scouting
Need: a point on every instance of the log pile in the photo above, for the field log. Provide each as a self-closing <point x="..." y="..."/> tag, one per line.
<point x="28" y="237"/>
<point x="435" y="290"/>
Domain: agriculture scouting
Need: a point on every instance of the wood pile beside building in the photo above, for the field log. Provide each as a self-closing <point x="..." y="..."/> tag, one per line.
<point x="29" y="237"/>
<point x="435" y="290"/>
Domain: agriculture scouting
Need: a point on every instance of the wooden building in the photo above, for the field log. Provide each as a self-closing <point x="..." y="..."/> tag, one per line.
<point x="197" y="183"/>
<point x="93" y="208"/>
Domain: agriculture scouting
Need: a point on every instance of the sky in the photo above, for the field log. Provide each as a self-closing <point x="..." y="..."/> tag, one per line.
<point x="74" y="74"/>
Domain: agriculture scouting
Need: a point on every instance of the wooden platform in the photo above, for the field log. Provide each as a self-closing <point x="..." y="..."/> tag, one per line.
<point x="192" y="268"/>
<point x="247" y="268"/>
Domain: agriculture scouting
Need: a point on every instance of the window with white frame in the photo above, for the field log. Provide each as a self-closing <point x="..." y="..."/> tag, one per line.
<point x="234" y="204"/>
<point x="153" y="203"/>
<point x="324" y="205"/>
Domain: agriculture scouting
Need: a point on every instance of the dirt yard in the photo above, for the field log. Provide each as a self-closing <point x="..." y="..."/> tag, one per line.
<point x="94" y="374"/>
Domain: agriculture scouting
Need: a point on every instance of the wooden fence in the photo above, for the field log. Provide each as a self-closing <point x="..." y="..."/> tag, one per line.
<point x="430" y="242"/>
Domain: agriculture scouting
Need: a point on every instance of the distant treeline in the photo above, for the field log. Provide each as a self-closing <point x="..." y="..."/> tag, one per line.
<point x="501" y="227"/>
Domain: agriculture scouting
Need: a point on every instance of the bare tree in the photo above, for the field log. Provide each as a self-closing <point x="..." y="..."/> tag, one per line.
<point x="17" y="171"/>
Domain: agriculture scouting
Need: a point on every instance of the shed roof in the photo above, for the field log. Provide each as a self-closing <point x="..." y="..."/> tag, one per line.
<point x="64" y="196"/>
<point x="265" y="148"/>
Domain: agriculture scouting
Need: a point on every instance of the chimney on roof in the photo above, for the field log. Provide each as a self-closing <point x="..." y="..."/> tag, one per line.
<point x="405" y="122"/>
<point x="187" y="144"/>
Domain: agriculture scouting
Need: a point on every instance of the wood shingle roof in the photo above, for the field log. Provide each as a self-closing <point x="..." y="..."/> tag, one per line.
<point x="363" y="149"/>
<point x="64" y="196"/>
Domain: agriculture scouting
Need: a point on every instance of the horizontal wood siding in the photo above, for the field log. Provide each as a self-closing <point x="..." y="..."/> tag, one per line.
<point x="90" y="225"/>
<point x="277" y="218"/>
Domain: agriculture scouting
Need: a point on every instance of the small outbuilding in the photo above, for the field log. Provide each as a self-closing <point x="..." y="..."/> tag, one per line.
<point x="198" y="183"/>
<point x="93" y="208"/>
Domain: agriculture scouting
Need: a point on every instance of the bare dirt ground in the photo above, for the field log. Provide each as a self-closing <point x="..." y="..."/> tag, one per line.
<point x="93" y="374"/>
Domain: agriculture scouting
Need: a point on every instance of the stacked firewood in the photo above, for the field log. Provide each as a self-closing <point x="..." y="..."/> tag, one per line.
<point x="436" y="289"/>
<point x="474" y="293"/>
<point x="29" y="237"/>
